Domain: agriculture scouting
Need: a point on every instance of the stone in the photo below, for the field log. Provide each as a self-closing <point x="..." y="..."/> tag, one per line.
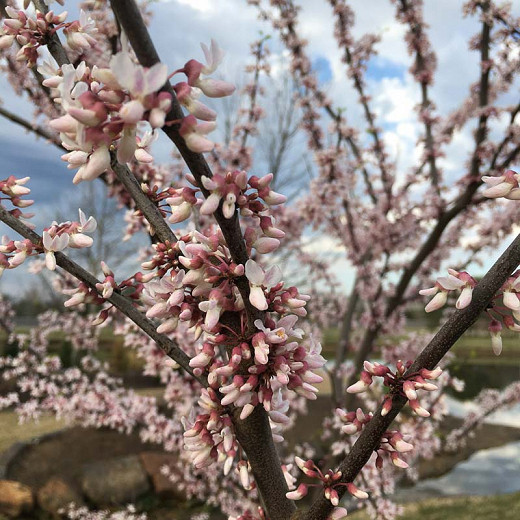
<point x="57" y="494"/>
<point x="114" y="482"/>
<point x="152" y="462"/>
<point x="15" y="498"/>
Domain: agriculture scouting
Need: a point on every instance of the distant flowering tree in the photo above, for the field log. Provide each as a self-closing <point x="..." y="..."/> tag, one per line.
<point x="210" y="314"/>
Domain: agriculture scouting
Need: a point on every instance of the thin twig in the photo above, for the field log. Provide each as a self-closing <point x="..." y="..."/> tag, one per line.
<point x="38" y="130"/>
<point x="123" y="304"/>
<point x="150" y="211"/>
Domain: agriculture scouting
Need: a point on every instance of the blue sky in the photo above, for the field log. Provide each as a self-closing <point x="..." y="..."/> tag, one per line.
<point x="178" y="26"/>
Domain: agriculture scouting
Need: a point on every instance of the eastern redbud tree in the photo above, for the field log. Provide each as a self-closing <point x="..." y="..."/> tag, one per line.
<point x="236" y="346"/>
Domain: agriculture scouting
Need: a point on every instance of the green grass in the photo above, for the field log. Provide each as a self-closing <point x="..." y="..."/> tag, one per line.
<point x="470" y="348"/>
<point x="11" y="431"/>
<point x="503" y="507"/>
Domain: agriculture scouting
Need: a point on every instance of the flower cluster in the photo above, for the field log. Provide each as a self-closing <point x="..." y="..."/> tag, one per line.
<point x="392" y="442"/>
<point x="14" y="189"/>
<point x="398" y="383"/>
<point x="196" y="284"/>
<point x="505" y="185"/>
<point x="55" y="238"/>
<point x="252" y="197"/>
<point x="330" y="481"/>
<point x="506" y="315"/>
<point x="209" y="435"/>
<point x="103" y="109"/>
<point x="80" y="33"/>
<point x="132" y="288"/>
<point x="200" y="292"/>
<point x="188" y="94"/>
<point x="29" y="33"/>
<point x="461" y="281"/>
<point x="273" y="363"/>
<point x="74" y="512"/>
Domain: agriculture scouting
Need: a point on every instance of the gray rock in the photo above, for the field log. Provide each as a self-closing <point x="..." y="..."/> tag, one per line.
<point x="115" y="481"/>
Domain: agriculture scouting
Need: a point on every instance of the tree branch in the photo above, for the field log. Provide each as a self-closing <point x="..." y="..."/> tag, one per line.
<point x="38" y="130"/>
<point x="259" y="445"/>
<point x="421" y="71"/>
<point x="460" y="204"/>
<point x="150" y="211"/>
<point x="53" y="43"/>
<point x="131" y="21"/>
<point x="429" y="358"/>
<point x="124" y="305"/>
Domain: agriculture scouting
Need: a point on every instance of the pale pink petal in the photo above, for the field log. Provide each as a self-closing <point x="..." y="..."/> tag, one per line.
<point x="156" y="77"/>
<point x="438" y="301"/>
<point x="257" y="298"/>
<point x="450" y="282"/>
<point x="123" y="69"/>
<point x="254" y="273"/>
<point x="496" y="344"/>
<point x="210" y="205"/>
<point x="273" y="276"/>
<point x="464" y="298"/>
<point x="511" y="300"/>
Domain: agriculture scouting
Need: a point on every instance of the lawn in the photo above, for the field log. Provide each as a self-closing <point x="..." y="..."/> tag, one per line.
<point x="503" y="507"/>
<point x="11" y="431"/>
<point x="473" y="347"/>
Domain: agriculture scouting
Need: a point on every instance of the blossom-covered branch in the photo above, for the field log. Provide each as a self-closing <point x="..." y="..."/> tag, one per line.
<point x="428" y="359"/>
<point x="120" y="302"/>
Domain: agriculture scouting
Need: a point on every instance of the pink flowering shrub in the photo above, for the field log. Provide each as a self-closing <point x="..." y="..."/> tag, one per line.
<point x="212" y="312"/>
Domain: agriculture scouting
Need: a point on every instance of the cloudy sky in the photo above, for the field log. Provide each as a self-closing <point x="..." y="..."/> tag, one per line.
<point x="178" y="26"/>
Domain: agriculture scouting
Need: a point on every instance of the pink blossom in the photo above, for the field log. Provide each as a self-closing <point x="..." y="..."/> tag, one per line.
<point x="495" y="329"/>
<point x="259" y="278"/>
<point x="194" y="133"/>
<point x="52" y="244"/>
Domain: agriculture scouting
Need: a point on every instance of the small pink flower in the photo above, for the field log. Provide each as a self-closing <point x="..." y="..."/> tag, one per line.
<point x="362" y="385"/>
<point x="259" y="278"/>
<point x="193" y="133"/>
<point x="495" y="328"/>
<point x="298" y="493"/>
<point x="396" y="461"/>
<point x="504" y="186"/>
<point x="418" y="409"/>
<point x="356" y="492"/>
<point x="98" y="163"/>
<point x="339" y="513"/>
<point x="444" y="285"/>
<point x="52" y="245"/>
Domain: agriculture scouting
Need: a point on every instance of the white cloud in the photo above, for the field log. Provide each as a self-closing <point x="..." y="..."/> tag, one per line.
<point x="204" y="6"/>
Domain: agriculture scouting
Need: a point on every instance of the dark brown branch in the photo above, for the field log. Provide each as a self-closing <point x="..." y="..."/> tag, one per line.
<point x="420" y="64"/>
<point x="53" y="42"/>
<point x="131" y="21"/>
<point x="254" y="433"/>
<point x="117" y="300"/>
<point x="150" y="211"/>
<point x="429" y="358"/>
<point x="38" y="130"/>
<point x="369" y="116"/>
